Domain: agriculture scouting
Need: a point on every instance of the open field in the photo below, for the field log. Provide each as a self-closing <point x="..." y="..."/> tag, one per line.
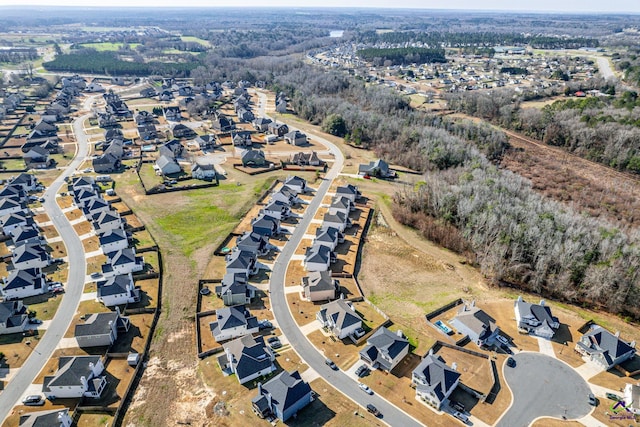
<point x="105" y="46"/>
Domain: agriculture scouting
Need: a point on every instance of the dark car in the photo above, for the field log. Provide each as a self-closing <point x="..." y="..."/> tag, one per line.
<point x="330" y="364"/>
<point x="33" y="400"/>
<point x="373" y="409"/>
<point x="592" y="400"/>
<point x="613" y="396"/>
<point x="362" y="371"/>
<point x="274" y="342"/>
<point x="511" y="362"/>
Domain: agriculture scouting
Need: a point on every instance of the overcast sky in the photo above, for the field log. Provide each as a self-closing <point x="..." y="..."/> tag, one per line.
<point x="576" y="6"/>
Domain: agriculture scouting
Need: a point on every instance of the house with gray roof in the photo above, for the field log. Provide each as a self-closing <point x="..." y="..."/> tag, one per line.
<point x="248" y="357"/>
<point x="261" y="124"/>
<point x="306" y="159"/>
<point x="206" y="142"/>
<point x="113" y="240"/>
<point x="295" y="138"/>
<point x="234" y="289"/>
<point x="604" y="348"/>
<point x="13" y="317"/>
<point x="101" y="329"/>
<point x="105" y="163"/>
<point x="299" y="185"/>
<point x="24" y="283"/>
<point x="535" y="319"/>
<point x="385" y="349"/>
<point x="84" y="195"/>
<point x="434" y="380"/>
<point x="95" y="206"/>
<point x="14" y="220"/>
<point x="339" y="317"/>
<point x="318" y="258"/>
<point x="253" y="242"/>
<point x="336" y="220"/>
<point x="83" y="182"/>
<point x="168" y="165"/>
<point x="631" y="397"/>
<point x="9" y="205"/>
<point x="30" y="256"/>
<point x="378" y="168"/>
<point x="240" y="261"/>
<point x="349" y="191"/>
<point x="107" y="220"/>
<point x="265" y="225"/>
<point x="203" y="171"/>
<point x="328" y="236"/>
<point x="233" y="322"/>
<point x="282" y="396"/>
<point x="476" y="324"/>
<point x="122" y="261"/>
<point x="341" y="204"/>
<point x="277" y="209"/>
<point x="278" y="129"/>
<point x="117" y="290"/>
<point x="25" y="182"/>
<point x="50" y="418"/>
<point x="253" y="158"/>
<point x="77" y="376"/>
<point x="26" y="235"/>
<point x="319" y="286"/>
<point x="287" y="195"/>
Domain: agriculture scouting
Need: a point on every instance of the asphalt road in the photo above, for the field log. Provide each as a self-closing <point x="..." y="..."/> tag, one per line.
<point x="543" y="386"/>
<point x="305" y="349"/>
<point x="18" y="385"/>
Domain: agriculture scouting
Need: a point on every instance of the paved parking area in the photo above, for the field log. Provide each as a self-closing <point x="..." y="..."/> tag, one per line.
<point x="543" y="386"/>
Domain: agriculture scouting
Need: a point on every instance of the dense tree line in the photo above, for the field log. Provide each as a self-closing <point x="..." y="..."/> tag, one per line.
<point x="482" y="39"/>
<point x="15" y="56"/>
<point x="91" y="61"/>
<point x="401" y="56"/>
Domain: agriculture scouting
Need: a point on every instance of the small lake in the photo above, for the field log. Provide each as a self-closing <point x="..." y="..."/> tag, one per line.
<point x="336" y="33"/>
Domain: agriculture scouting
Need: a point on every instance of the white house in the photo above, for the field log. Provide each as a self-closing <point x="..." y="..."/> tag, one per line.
<point x="318" y="258"/>
<point x="117" y="290"/>
<point x="24" y="283"/>
<point x="101" y="329"/>
<point x="107" y="221"/>
<point x="9" y="205"/>
<point x="632" y="397"/>
<point x="30" y="256"/>
<point x="339" y="317"/>
<point x="385" y="349"/>
<point x="535" y="319"/>
<point x="328" y="236"/>
<point x="434" y="380"/>
<point x="277" y="209"/>
<point x="13" y="317"/>
<point x="50" y="418"/>
<point x="341" y="204"/>
<point x="77" y="376"/>
<point x="206" y="172"/>
<point x="319" y="286"/>
<point x="233" y="322"/>
<point x="248" y="357"/>
<point x="244" y="262"/>
<point x="337" y="220"/>
<point x="296" y="183"/>
<point x="113" y="240"/>
<point x="122" y="261"/>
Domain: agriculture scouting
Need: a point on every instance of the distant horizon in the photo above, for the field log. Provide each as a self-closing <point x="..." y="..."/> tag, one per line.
<point x="575" y="7"/>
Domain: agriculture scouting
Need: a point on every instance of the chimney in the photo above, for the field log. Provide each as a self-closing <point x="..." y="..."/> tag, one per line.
<point x="617" y="334"/>
<point x="430" y="352"/>
<point x="399" y="333"/>
<point x="259" y="388"/>
<point x="519" y="298"/>
<point x="632" y="344"/>
<point x="542" y="303"/>
<point x="84" y="382"/>
<point x="227" y="351"/>
<point x="454" y="366"/>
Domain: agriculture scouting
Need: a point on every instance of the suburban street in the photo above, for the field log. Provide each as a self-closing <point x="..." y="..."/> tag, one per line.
<point x="19" y="384"/>
<point x="299" y="342"/>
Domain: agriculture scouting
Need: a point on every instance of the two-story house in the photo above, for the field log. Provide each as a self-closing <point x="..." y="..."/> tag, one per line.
<point x="385" y="349"/>
<point x="282" y="396"/>
<point x="434" y="381"/>
<point x="233" y="322"/>
<point x="339" y="317"/>
<point x="77" y="376"/>
<point x="247" y="357"/>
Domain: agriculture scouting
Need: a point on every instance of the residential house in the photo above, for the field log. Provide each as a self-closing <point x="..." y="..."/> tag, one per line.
<point x="183" y="131"/>
<point x="117" y="290"/>
<point x="282" y="396"/>
<point x="101" y="329"/>
<point x="233" y="322"/>
<point x="604" y="348"/>
<point x="94" y="207"/>
<point x="287" y="195"/>
<point x="77" y="376"/>
<point x="26" y="235"/>
<point x="242" y="262"/>
<point x="94" y="87"/>
<point x="385" y="349"/>
<point x="25" y="181"/>
<point x="111" y="134"/>
<point x="9" y="205"/>
<point x="253" y="242"/>
<point x="341" y="204"/>
<point x="30" y="256"/>
<point x="106" y="221"/>
<point x="295" y="138"/>
<point x="535" y="319"/>
<point x="248" y="357"/>
<point x="265" y="225"/>
<point x="278" y="129"/>
<point x="261" y="124"/>
<point x="83" y="182"/>
<point x="37" y="158"/>
<point x="168" y="165"/>
<point x="632" y="398"/>
<point x="476" y="324"/>
<point x="148" y="92"/>
<point x="339" y="317"/>
<point x="242" y="140"/>
<point x="50" y="418"/>
<point x="349" y="191"/>
<point x="83" y="196"/>
<point x="277" y="209"/>
<point x="173" y="148"/>
<point x="281" y="106"/>
<point x="185" y="91"/>
<point x="13" y="317"/>
<point x="245" y="115"/>
<point x="106" y="163"/>
<point x="223" y="123"/>
<point x="336" y="220"/>
<point x="328" y="236"/>
<point x="378" y="168"/>
<point x="166" y="95"/>
<point x="318" y="258"/>
<point x="144" y="117"/>
<point x="205" y="171"/>
<point x="147" y="131"/>
<point x="306" y="159"/>
<point x="122" y="261"/>
<point x="206" y="142"/>
<point x="116" y="106"/>
<point x="14" y="192"/>
<point x="434" y="381"/>
<point x="24" y="283"/>
<point x="234" y="289"/>
<point x="10" y="222"/>
<point x="319" y="286"/>
<point x="172" y="114"/>
<point x="113" y="240"/>
<point x="299" y="185"/>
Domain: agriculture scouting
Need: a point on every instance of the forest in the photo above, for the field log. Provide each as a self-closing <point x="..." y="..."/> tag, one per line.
<point x="401" y="56"/>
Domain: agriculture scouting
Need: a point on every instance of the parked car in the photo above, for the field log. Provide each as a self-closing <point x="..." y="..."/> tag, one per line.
<point x="502" y="340"/>
<point x="96" y="275"/>
<point x="365" y="388"/>
<point x="613" y="396"/>
<point x="33" y="400"/>
<point x="265" y="324"/>
<point x="511" y="362"/>
<point x="58" y="290"/>
<point x="362" y="370"/>
<point x="274" y="342"/>
<point x="462" y="417"/>
<point x="359" y="332"/>
<point x="330" y="364"/>
<point x="592" y="400"/>
<point x="205" y="291"/>
<point x="373" y="409"/>
<point x="35" y="321"/>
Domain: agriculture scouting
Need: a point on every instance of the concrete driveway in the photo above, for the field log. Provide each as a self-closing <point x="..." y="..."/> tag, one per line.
<point x="543" y="386"/>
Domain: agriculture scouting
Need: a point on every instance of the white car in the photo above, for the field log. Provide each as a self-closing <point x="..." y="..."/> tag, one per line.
<point x="365" y="388"/>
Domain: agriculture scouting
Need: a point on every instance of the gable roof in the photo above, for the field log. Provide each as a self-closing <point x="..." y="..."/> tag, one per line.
<point x="609" y="345"/>
<point x="327" y="234"/>
<point x="318" y="281"/>
<point x="248" y="355"/>
<point x="49" y="418"/>
<point x="436" y="376"/>
<point x="232" y="317"/>
<point x="115" y="285"/>
<point x="240" y="259"/>
<point x="111" y="236"/>
<point x="285" y="389"/>
<point x="251" y="240"/>
<point x="340" y="313"/>
<point x="96" y="324"/>
<point x="476" y="320"/>
<point x="30" y="277"/>
<point x="12" y="313"/>
<point x="70" y="370"/>
<point x="318" y="254"/>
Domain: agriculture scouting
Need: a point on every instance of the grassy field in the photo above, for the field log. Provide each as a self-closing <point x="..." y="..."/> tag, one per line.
<point x="101" y="47"/>
<point x="195" y="39"/>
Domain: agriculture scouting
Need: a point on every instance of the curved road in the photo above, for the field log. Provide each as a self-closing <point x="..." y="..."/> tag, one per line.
<point x="299" y="342"/>
<point x="19" y="384"/>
